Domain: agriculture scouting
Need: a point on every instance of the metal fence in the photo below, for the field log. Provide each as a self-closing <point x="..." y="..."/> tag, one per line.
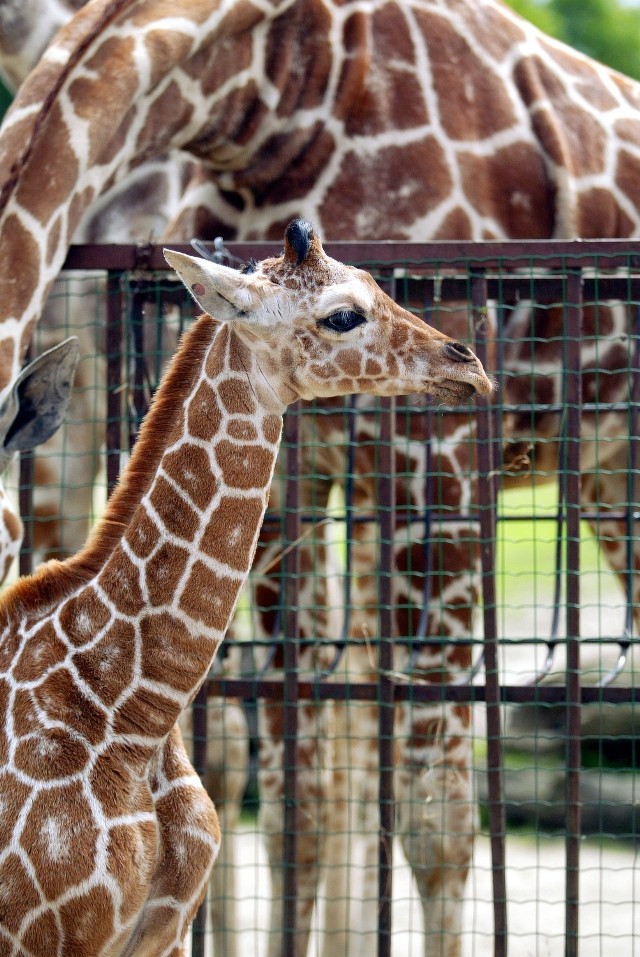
<point x="548" y="669"/>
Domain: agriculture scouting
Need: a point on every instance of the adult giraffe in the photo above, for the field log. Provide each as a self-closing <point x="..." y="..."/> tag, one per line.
<point x="446" y="119"/>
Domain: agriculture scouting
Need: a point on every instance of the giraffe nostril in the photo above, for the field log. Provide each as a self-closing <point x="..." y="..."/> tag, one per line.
<point x="459" y="352"/>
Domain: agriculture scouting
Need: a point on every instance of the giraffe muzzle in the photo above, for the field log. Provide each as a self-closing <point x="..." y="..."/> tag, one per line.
<point x="468" y="380"/>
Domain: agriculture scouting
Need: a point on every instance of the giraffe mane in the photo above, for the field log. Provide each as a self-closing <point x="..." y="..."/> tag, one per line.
<point x="57" y="579"/>
<point x="92" y="28"/>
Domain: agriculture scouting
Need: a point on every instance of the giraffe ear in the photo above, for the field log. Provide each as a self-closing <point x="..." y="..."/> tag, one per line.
<point x="219" y="290"/>
<point x="36" y="403"/>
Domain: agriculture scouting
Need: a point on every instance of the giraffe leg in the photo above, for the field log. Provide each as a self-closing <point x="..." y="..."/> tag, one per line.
<point x="350" y="900"/>
<point x="363" y="823"/>
<point x="434" y="802"/>
<point x="310" y="823"/>
<point x="433" y="791"/>
<point x="226" y="781"/>
<point x="609" y="489"/>
<point x="435" y="806"/>
<point x="356" y="816"/>
<point x="436" y="818"/>
<point x="313" y="745"/>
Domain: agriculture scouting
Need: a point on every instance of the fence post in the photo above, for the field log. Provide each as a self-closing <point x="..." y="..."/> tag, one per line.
<point x="199" y="731"/>
<point x="115" y="384"/>
<point x="289" y="592"/>
<point x="570" y="475"/>
<point x="386" y="688"/>
<point x="386" y="696"/>
<point x="487" y="504"/>
<point x="25" y="501"/>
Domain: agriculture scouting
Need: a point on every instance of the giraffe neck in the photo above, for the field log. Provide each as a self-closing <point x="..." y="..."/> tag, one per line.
<point x="60" y="149"/>
<point x="299" y="109"/>
<point x="158" y="582"/>
<point x="191" y="89"/>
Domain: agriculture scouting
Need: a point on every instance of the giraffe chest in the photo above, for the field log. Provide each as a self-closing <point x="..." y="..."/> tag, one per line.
<point x="78" y="852"/>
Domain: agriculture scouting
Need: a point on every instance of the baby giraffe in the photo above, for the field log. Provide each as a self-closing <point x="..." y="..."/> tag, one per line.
<point x="106" y="835"/>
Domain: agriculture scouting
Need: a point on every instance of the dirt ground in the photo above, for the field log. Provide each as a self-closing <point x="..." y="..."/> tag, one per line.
<point x="609" y="911"/>
<point x="609" y="916"/>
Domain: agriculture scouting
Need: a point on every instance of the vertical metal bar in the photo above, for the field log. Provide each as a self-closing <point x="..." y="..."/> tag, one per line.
<point x="199" y="712"/>
<point x="115" y="326"/>
<point x="385" y="683"/>
<point x="26" y="481"/>
<point x="25" y="506"/>
<point x="487" y="509"/>
<point x="386" y="696"/>
<point x="573" y="400"/>
<point x="291" y="571"/>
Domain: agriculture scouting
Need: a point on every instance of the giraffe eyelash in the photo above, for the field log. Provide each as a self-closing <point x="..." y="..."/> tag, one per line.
<point x="343" y="321"/>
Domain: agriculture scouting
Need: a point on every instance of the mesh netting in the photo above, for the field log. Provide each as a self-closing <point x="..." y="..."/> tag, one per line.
<point x="439" y="636"/>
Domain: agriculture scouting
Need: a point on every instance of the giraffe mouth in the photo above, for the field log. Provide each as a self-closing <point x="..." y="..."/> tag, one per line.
<point x="453" y="392"/>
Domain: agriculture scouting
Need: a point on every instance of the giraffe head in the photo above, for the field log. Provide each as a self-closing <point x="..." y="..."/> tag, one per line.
<point x="321" y="328"/>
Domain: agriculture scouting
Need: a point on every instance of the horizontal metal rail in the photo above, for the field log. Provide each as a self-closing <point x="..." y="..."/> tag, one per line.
<point x="544" y="254"/>
<point x="416" y="690"/>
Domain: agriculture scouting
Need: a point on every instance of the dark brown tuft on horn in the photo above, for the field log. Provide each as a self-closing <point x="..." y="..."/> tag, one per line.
<point x="298" y="237"/>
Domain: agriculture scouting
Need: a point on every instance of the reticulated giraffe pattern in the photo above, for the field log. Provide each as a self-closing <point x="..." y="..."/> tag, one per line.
<point x="137" y="209"/>
<point x="107" y="834"/>
<point x="445" y="119"/>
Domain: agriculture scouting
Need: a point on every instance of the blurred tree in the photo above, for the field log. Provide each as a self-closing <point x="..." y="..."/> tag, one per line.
<point x="538" y="12"/>
<point x="603" y="29"/>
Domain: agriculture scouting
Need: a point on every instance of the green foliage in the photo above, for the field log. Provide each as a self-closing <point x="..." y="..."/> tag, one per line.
<point x="5" y="99"/>
<point x="603" y="29"/>
<point x="538" y="13"/>
<point x="526" y="548"/>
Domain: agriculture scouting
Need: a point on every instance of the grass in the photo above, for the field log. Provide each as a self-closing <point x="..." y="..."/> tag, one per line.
<point x="526" y="542"/>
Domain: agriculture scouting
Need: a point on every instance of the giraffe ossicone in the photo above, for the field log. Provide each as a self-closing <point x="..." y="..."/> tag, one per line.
<point x="103" y="817"/>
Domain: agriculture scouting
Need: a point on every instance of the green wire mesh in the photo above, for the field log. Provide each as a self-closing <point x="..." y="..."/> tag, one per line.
<point x="362" y="500"/>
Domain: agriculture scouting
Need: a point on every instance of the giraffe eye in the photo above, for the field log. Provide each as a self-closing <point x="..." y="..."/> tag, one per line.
<point x="343" y="321"/>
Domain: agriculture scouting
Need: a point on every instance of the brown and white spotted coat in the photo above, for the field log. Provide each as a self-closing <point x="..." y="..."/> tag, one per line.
<point x="138" y="209"/>
<point x="107" y="835"/>
<point x="418" y="119"/>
